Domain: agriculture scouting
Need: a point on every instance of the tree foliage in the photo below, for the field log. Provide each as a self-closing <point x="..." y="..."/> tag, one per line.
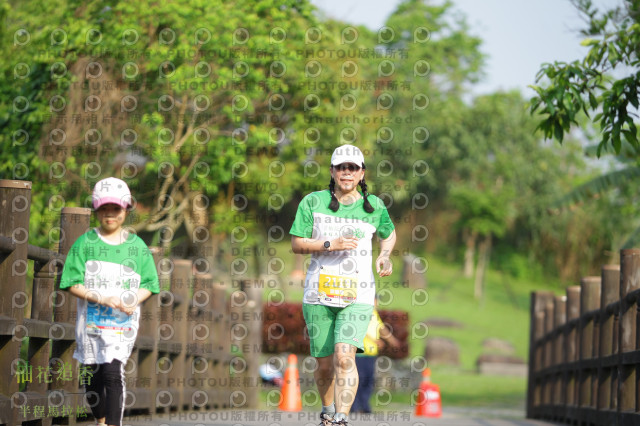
<point x="221" y="115"/>
<point x="604" y="84"/>
<point x="602" y="89"/>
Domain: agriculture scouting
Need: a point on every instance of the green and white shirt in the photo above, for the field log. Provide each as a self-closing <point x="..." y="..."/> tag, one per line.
<point x="103" y="333"/>
<point x="338" y="278"/>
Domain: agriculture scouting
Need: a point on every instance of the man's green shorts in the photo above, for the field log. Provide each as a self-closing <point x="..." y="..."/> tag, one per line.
<point x="328" y="325"/>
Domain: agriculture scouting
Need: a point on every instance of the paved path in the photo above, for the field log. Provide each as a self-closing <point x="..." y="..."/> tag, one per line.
<point x="457" y="417"/>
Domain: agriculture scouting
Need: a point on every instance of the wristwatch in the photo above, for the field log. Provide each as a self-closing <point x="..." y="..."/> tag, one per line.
<point x="327" y="244"/>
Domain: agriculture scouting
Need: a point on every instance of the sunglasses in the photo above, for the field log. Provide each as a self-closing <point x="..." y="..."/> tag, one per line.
<point x="351" y="167"/>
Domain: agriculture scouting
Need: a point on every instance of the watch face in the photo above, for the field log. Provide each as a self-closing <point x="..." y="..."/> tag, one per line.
<point x="327" y="244"/>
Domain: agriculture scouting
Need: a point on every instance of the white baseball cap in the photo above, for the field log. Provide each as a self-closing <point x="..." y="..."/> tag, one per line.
<point x="111" y="191"/>
<point x="347" y="154"/>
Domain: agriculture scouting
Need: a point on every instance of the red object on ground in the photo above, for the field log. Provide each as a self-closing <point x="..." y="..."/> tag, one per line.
<point x="291" y="397"/>
<point x="428" y="403"/>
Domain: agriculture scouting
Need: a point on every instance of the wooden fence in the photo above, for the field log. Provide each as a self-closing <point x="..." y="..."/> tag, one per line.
<point x="584" y="353"/>
<point x="182" y="356"/>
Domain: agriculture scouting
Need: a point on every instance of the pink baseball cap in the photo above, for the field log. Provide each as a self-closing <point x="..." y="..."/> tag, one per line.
<point x="111" y="191"/>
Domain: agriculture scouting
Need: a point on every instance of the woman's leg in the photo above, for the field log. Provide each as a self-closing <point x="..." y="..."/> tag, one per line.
<point x="95" y="391"/>
<point x="351" y="327"/>
<point x="346" y="376"/>
<point x="320" y="325"/>
<point x="325" y="379"/>
<point x="113" y="375"/>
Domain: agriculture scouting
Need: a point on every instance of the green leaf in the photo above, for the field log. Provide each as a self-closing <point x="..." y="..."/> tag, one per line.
<point x="558" y="132"/>
<point x="593" y="102"/>
<point x="589" y="42"/>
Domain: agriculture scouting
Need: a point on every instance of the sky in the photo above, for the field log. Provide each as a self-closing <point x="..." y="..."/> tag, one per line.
<point x="518" y="35"/>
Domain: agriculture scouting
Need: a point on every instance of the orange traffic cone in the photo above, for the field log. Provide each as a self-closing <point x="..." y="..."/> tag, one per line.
<point x="291" y="399"/>
<point x="428" y="403"/>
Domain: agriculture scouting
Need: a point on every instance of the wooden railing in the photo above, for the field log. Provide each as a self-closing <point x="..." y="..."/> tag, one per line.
<point x="584" y="353"/>
<point x="182" y="357"/>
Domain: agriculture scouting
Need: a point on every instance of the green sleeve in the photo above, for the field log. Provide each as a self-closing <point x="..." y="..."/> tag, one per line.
<point x="385" y="226"/>
<point x="303" y="223"/>
<point x="74" y="265"/>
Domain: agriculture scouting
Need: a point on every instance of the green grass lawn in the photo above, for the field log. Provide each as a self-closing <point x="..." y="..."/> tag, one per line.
<point x="502" y="313"/>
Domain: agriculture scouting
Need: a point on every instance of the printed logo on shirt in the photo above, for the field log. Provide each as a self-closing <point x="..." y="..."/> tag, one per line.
<point x="108" y="280"/>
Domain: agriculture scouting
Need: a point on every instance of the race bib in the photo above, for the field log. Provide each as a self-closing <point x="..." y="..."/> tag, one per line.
<point x="102" y="318"/>
<point x="336" y="287"/>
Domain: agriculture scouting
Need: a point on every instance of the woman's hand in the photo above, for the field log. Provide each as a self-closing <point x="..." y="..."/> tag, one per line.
<point x="129" y="310"/>
<point x="116" y="302"/>
<point x="112" y="302"/>
<point x="384" y="267"/>
<point x="344" y="243"/>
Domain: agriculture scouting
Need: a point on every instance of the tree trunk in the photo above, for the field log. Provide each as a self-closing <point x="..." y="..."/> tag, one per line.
<point x="470" y="252"/>
<point x="484" y="251"/>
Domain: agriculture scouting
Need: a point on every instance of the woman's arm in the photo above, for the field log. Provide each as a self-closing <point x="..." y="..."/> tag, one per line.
<point x="141" y="295"/>
<point x="384" y="267"/>
<point x="79" y="290"/>
<point x="114" y="302"/>
<point x="301" y="245"/>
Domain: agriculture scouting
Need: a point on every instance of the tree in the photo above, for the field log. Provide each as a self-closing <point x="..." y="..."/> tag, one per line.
<point x="586" y="85"/>
<point x="494" y="137"/>
<point x="602" y="88"/>
<point x="435" y="59"/>
<point x="196" y="104"/>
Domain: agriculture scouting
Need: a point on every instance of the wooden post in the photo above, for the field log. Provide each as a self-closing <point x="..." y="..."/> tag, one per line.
<point x="15" y="203"/>
<point x="146" y="350"/>
<point x="539" y="358"/>
<point x="164" y="334"/>
<point x="238" y="331"/>
<point x="220" y="308"/>
<point x="40" y="326"/>
<point x="589" y="302"/>
<point x="74" y="221"/>
<point x="571" y="342"/>
<point x="629" y="268"/>
<point x="180" y="287"/>
<point x="200" y="326"/>
<point x="559" y="354"/>
<point x="539" y="301"/>
<point x="254" y="340"/>
<point x="610" y="294"/>
<point x="246" y="335"/>
<point x="547" y="390"/>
